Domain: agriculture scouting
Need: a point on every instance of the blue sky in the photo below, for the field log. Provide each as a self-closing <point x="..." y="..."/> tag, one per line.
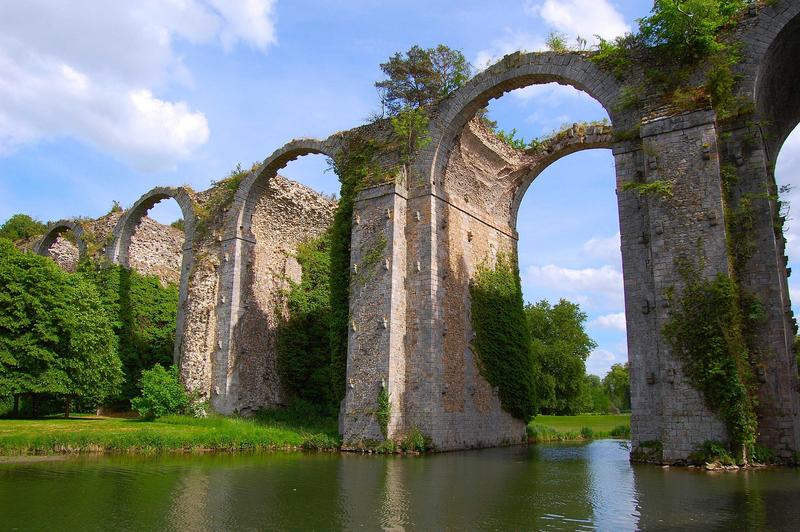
<point x="101" y="101"/>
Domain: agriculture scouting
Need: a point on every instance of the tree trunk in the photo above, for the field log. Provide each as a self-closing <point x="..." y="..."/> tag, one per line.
<point x="67" y="407"/>
<point x="15" y="412"/>
<point x="34" y="406"/>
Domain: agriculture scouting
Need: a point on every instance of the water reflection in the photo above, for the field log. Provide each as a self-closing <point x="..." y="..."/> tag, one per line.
<point x="560" y="487"/>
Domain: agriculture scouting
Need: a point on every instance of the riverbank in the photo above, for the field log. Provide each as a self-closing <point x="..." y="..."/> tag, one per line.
<point x="576" y="428"/>
<point x="95" y="434"/>
<point x="272" y="430"/>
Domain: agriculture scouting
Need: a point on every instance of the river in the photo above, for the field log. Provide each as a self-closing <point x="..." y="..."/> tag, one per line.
<point x="554" y="487"/>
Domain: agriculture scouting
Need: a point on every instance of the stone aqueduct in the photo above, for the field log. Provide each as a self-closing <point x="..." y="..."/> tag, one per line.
<point x="454" y="206"/>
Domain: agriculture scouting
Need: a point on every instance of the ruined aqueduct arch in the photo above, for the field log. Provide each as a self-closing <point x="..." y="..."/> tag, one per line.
<point x="57" y="229"/>
<point x="410" y="330"/>
<point x="118" y="251"/>
<point x="238" y="242"/>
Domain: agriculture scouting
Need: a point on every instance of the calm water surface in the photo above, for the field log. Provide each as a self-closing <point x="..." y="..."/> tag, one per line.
<point x="558" y="487"/>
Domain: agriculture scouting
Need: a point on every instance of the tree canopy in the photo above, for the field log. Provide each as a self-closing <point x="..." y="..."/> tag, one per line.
<point x="421" y="76"/>
<point x="617" y="385"/>
<point x="559" y="349"/>
<point x="142" y="314"/>
<point x="55" y="337"/>
<point x="21" y="226"/>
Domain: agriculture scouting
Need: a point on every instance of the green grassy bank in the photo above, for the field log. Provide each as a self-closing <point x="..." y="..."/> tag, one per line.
<point x="585" y="427"/>
<point x="87" y="434"/>
<point x="285" y="429"/>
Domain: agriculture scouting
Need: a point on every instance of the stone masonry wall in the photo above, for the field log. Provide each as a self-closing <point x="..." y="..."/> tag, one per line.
<point x="285" y="215"/>
<point x="156" y="249"/>
<point x="658" y="233"/>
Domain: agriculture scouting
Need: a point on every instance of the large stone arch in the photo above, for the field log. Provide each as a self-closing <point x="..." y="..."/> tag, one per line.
<point x="770" y="81"/>
<point x="514" y="71"/>
<point x="238" y="244"/>
<point x="773" y="45"/>
<point x="118" y="251"/>
<point x="56" y="229"/>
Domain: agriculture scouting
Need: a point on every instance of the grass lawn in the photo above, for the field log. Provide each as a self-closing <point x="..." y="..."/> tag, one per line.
<point x="566" y="428"/>
<point x="269" y="430"/>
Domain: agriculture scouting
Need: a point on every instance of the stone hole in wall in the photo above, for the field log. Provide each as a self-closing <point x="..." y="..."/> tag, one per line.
<point x="157" y="243"/>
<point x="64" y="250"/>
<point x="568" y="220"/>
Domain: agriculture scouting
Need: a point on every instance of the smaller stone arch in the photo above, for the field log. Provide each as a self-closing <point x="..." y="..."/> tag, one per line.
<point x="126" y="226"/>
<point x="568" y="141"/>
<point x="238" y="243"/>
<point x="57" y="229"/>
<point x="256" y="182"/>
<point x="127" y="223"/>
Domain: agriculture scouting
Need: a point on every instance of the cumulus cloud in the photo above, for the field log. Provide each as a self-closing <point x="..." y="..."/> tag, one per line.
<point x="511" y="42"/>
<point x="610" y="321"/>
<point x="607" y="248"/>
<point x="584" y="18"/>
<point x="93" y="71"/>
<point x="589" y="283"/>
<point x="600" y="361"/>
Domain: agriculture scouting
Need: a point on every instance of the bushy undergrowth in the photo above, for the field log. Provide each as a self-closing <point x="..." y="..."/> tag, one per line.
<point x="162" y="393"/>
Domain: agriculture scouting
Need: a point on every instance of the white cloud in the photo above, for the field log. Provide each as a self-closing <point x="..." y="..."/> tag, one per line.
<point x="603" y="355"/>
<point x="590" y="283"/>
<point x="600" y="361"/>
<point x="607" y="248"/>
<point x="92" y="71"/>
<point x="584" y="18"/>
<point x="610" y="321"/>
<point x="511" y="42"/>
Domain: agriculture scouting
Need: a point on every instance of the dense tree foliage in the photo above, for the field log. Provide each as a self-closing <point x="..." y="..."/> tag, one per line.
<point x="421" y="77"/>
<point x="594" y="398"/>
<point x="559" y="349"/>
<point x="55" y="338"/>
<point x="21" y="226"/>
<point x="617" y="386"/>
<point x="143" y="314"/>
<point x="304" y="356"/>
<point x="689" y="28"/>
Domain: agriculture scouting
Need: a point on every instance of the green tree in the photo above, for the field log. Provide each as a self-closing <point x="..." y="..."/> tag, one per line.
<point x="55" y="338"/>
<point x="559" y="347"/>
<point x="421" y="77"/>
<point x="21" y="226"/>
<point x="617" y="384"/>
<point x="689" y="28"/>
<point x="143" y="314"/>
<point x="593" y="397"/>
<point x="162" y="393"/>
<point x="303" y="349"/>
